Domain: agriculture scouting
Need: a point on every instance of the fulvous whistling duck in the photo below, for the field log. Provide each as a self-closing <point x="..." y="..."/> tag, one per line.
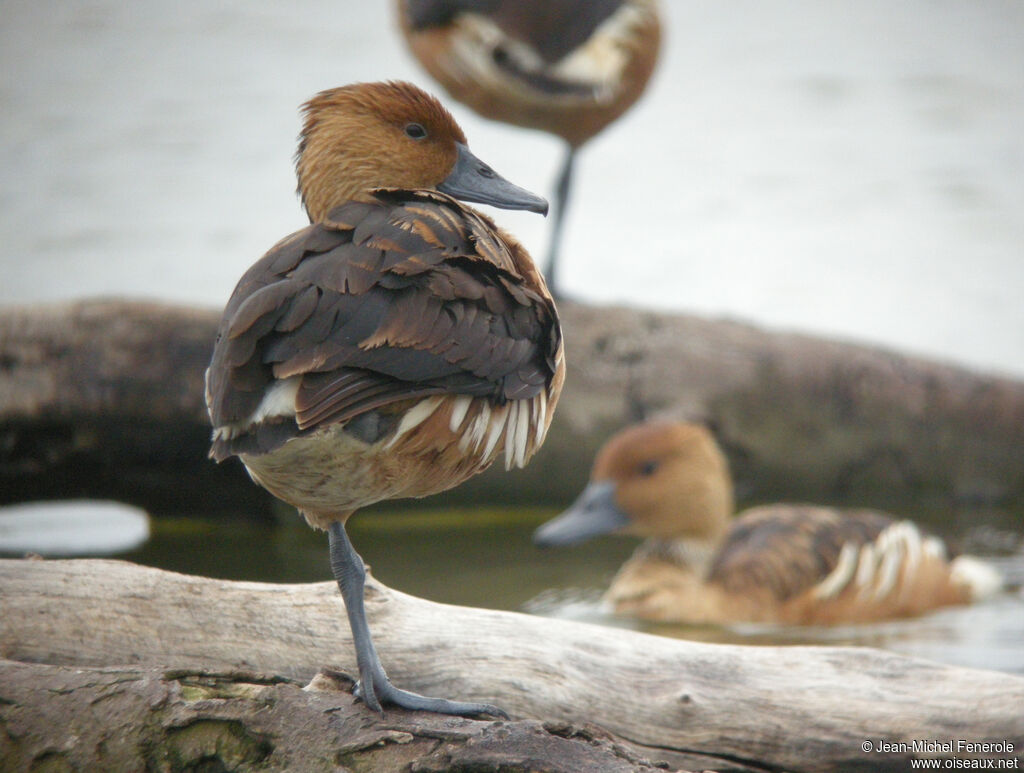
<point x="395" y="347"/>
<point x="795" y="564"/>
<point x="567" y="67"/>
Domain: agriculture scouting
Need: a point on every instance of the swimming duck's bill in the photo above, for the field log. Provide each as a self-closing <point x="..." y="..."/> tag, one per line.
<point x="592" y="514"/>
<point x="474" y="181"/>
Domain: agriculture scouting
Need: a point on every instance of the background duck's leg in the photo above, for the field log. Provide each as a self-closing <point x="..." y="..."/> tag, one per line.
<point x="562" y="190"/>
<point x="374" y="686"/>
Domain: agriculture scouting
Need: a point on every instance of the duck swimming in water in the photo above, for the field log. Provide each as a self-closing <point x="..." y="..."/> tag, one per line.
<point x="783" y="563"/>
<point x="395" y="347"/>
<point x="566" y="67"/>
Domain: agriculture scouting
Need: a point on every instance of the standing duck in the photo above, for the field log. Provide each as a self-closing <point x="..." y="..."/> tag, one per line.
<point x="793" y="564"/>
<point x="567" y="67"/>
<point x="395" y="347"/>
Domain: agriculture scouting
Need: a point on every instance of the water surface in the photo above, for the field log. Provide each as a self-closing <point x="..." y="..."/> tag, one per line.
<point x="485" y="559"/>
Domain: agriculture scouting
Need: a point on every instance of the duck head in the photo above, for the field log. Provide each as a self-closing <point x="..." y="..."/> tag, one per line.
<point x="366" y="136"/>
<point x="664" y="480"/>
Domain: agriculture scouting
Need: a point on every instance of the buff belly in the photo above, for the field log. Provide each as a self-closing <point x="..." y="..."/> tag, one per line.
<point x="439" y="443"/>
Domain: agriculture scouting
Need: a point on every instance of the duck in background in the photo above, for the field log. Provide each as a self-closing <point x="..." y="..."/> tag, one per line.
<point x="782" y="563"/>
<point x="395" y="347"/>
<point x="567" y="67"/>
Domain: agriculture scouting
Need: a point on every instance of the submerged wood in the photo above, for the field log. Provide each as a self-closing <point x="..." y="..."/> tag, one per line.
<point x="721" y="707"/>
<point x="104" y="398"/>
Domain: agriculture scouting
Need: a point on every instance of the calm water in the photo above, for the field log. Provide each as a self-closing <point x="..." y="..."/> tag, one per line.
<point x="843" y="168"/>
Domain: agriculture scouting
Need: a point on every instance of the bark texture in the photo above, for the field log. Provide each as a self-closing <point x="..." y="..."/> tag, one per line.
<point x="181" y="656"/>
<point x="60" y="718"/>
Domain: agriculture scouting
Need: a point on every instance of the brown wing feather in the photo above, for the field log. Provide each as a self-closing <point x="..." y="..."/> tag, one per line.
<point x="406" y="296"/>
<point x="788" y="549"/>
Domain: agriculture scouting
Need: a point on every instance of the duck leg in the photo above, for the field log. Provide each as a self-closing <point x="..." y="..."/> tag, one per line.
<point x="562" y="190"/>
<point x="373" y="686"/>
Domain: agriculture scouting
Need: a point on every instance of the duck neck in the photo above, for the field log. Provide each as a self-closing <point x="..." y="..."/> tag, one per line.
<point x="324" y="186"/>
<point x="692" y="553"/>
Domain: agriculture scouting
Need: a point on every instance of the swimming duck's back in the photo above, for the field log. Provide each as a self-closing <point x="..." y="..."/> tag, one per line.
<point x="788" y="549"/>
<point x="821" y="565"/>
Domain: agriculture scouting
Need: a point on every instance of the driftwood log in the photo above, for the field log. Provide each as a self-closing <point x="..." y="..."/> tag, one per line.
<point x="206" y="672"/>
<point x="129" y="719"/>
<point x="105" y="399"/>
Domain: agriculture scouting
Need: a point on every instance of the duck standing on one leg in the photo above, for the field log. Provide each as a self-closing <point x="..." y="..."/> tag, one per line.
<point x="567" y="67"/>
<point x="395" y="347"/>
<point x="783" y="563"/>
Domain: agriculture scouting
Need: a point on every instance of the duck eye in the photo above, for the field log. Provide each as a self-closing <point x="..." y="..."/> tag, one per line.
<point x="415" y="130"/>
<point x="648" y="468"/>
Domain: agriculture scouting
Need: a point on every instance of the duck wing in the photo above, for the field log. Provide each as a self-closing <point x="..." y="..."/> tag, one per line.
<point x="789" y="549"/>
<point x="406" y="296"/>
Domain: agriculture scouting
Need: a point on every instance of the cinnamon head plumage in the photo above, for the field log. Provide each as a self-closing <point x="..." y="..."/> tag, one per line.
<point x="395" y="347"/>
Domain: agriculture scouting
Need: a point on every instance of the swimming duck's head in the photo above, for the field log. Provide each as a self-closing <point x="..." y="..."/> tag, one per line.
<point x="667" y="480"/>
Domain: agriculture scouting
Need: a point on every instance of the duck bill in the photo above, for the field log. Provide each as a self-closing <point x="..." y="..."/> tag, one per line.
<point x="474" y="181"/>
<point x="592" y="514"/>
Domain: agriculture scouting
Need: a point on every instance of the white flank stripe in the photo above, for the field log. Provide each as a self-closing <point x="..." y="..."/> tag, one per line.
<point x="542" y="422"/>
<point x="279" y="400"/>
<point x="935" y="548"/>
<point x="523" y="435"/>
<point x="460" y="405"/>
<point x="890" y="568"/>
<point x="483" y="420"/>
<point x="980" y="579"/>
<point x="839" y="577"/>
<point x="486" y="415"/>
<point x="510" y="435"/>
<point x="913" y="545"/>
<point x="866" y="565"/>
<point x="415" y="416"/>
<point x="497" y="426"/>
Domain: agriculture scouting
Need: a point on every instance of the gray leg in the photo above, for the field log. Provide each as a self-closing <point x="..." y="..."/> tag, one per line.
<point x="562" y="190"/>
<point x="374" y="687"/>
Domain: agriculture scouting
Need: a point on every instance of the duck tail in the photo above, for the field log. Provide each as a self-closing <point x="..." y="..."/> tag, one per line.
<point x="979" y="579"/>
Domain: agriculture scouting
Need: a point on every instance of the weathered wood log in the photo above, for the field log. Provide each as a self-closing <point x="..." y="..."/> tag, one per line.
<point x="105" y="399"/>
<point x="710" y="706"/>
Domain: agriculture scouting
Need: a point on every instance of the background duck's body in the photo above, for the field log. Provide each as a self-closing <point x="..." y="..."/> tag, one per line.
<point x="393" y="348"/>
<point x="795" y="564"/>
<point x="567" y="67"/>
